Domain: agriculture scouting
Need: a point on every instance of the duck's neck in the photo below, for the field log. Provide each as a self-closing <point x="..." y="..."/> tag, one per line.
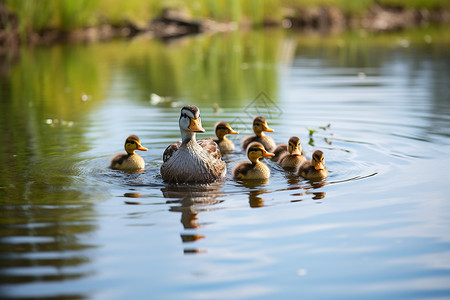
<point x="221" y="138"/>
<point x="259" y="133"/>
<point x="255" y="161"/>
<point x="187" y="136"/>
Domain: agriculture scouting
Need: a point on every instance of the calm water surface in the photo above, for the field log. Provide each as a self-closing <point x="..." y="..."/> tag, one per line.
<point x="377" y="228"/>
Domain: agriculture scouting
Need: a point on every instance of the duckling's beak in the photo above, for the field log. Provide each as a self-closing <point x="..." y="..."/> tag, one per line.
<point x="231" y="131"/>
<point x="267" y="154"/>
<point x="320" y="166"/>
<point x="267" y="128"/>
<point x="142" y="148"/>
<point x="296" y="152"/>
<point x="196" y="125"/>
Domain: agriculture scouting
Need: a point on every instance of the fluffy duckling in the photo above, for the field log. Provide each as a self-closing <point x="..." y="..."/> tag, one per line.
<point x="259" y="126"/>
<point x="315" y="169"/>
<point x="189" y="160"/>
<point x="129" y="160"/>
<point x="293" y="158"/>
<point x="254" y="169"/>
<point x="225" y="145"/>
<point x="283" y="149"/>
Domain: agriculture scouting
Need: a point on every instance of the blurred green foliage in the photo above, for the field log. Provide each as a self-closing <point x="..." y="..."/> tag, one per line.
<point x="37" y="15"/>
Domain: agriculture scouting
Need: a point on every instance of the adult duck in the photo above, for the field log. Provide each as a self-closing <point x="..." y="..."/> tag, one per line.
<point x="191" y="160"/>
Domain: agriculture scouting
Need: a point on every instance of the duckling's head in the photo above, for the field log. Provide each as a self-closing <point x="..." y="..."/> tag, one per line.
<point x="318" y="160"/>
<point x="255" y="151"/>
<point x="260" y="125"/>
<point x="190" y="122"/>
<point x="133" y="143"/>
<point x="222" y="129"/>
<point x="294" y="146"/>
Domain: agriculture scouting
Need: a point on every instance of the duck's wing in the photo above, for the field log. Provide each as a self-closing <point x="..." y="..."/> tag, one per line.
<point x="117" y="160"/>
<point x="211" y="147"/>
<point x="241" y="169"/>
<point x="170" y="150"/>
<point x="305" y="168"/>
<point x="279" y="151"/>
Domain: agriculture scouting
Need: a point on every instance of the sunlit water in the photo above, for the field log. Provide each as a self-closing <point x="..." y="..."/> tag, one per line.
<point x="377" y="228"/>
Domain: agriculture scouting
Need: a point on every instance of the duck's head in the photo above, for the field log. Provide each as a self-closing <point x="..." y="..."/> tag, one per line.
<point x="260" y="125"/>
<point x="190" y="122"/>
<point x="318" y="160"/>
<point x="133" y="143"/>
<point x="222" y="129"/>
<point x="294" y="146"/>
<point x="256" y="150"/>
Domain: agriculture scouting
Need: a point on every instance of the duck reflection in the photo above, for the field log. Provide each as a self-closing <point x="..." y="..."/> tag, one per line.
<point x="254" y="199"/>
<point x="191" y="200"/>
<point x="314" y="186"/>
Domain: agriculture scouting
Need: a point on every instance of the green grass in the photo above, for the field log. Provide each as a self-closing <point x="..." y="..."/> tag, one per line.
<point x="66" y="15"/>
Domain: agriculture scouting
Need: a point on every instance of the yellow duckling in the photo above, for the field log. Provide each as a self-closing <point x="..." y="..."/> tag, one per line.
<point x="315" y="169"/>
<point x="259" y="126"/>
<point x="292" y="159"/>
<point x="225" y="145"/>
<point x="254" y="169"/>
<point x="189" y="160"/>
<point x="129" y="160"/>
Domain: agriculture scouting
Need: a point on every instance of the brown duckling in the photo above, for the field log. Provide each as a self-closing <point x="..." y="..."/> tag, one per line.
<point x="225" y="145"/>
<point x="191" y="160"/>
<point x="283" y="149"/>
<point x="254" y="169"/>
<point x="259" y="126"/>
<point x="293" y="158"/>
<point x="129" y="160"/>
<point x="315" y="169"/>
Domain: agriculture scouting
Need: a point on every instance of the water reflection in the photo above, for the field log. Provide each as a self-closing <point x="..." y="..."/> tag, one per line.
<point x="191" y="200"/>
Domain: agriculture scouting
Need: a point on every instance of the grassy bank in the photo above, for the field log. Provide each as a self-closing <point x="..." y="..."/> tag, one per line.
<point x="67" y="15"/>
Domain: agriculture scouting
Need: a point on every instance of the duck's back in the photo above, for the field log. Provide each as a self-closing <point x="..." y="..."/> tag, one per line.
<point x="279" y="151"/>
<point x="291" y="162"/>
<point x="193" y="162"/>
<point x="248" y="170"/>
<point x="127" y="162"/>
<point x="265" y="140"/>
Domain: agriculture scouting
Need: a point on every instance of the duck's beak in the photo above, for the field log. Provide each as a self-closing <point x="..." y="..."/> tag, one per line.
<point x="267" y="128"/>
<point x="142" y="148"/>
<point x="196" y="125"/>
<point x="320" y="166"/>
<point x="296" y="152"/>
<point x="231" y="131"/>
<point x="267" y="154"/>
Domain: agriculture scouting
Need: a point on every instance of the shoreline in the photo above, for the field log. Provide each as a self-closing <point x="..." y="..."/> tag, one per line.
<point x="173" y="24"/>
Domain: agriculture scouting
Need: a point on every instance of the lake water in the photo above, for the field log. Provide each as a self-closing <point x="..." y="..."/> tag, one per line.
<point x="377" y="228"/>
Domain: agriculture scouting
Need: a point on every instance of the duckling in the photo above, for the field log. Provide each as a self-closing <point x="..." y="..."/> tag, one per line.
<point x="191" y="160"/>
<point x="254" y="169"/>
<point x="129" y="160"/>
<point x="283" y="149"/>
<point x="315" y="169"/>
<point x="225" y="145"/>
<point x="260" y="125"/>
<point x="293" y="159"/>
